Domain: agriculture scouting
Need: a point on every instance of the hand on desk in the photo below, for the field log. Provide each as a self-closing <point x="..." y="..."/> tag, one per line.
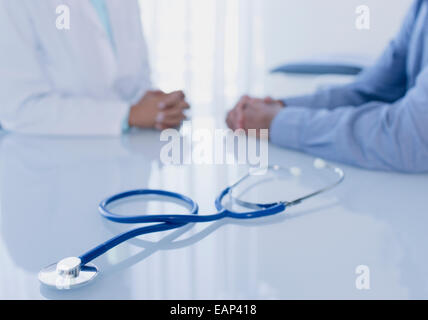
<point x="159" y="110"/>
<point x="252" y="113"/>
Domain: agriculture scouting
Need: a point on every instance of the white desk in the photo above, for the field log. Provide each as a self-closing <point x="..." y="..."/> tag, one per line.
<point x="50" y="189"/>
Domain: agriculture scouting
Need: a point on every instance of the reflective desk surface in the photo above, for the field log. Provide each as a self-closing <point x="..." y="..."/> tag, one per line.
<point x="50" y="189"/>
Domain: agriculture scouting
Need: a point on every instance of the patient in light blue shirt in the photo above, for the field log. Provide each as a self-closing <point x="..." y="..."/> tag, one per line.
<point x="378" y="122"/>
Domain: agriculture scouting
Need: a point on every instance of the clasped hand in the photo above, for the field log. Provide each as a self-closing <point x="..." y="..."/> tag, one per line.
<point x="253" y="113"/>
<point x="159" y="110"/>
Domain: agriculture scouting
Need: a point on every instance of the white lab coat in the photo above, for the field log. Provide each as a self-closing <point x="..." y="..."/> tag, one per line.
<point x="70" y="82"/>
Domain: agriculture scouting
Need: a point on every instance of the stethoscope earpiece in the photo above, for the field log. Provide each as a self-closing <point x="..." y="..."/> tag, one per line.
<point x="75" y="272"/>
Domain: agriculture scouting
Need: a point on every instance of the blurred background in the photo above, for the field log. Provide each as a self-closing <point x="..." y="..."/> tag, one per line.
<point x="219" y="49"/>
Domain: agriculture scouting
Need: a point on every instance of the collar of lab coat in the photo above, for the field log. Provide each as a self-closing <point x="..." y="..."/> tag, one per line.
<point x="126" y="54"/>
<point x="94" y="18"/>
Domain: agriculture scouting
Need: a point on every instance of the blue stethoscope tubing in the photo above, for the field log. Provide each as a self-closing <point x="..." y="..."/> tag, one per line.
<point x="74" y="272"/>
<point x="169" y="222"/>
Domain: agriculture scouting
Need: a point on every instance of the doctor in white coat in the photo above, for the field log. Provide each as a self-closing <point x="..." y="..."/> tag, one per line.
<point x="90" y="79"/>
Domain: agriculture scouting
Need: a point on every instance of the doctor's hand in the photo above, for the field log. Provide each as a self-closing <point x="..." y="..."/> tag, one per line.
<point x="253" y="113"/>
<point x="159" y="110"/>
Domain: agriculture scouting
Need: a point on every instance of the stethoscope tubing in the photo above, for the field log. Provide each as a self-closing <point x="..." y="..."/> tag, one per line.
<point x="73" y="272"/>
<point x="148" y="218"/>
<point x="168" y="222"/>
<point x="110" y="244"/>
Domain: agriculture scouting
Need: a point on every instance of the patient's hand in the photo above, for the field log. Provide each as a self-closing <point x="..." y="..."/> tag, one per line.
<point x="252" y="113"/>
<point x="235" y="118"/>
<point x="159" y="110"/>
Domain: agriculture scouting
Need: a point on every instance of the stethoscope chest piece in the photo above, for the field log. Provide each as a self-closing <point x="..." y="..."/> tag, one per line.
<point x="68" y="274"/>
<point x="75" y="272"/>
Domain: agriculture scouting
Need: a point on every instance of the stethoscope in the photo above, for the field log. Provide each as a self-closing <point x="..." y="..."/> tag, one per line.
<point x="74" y="272"/>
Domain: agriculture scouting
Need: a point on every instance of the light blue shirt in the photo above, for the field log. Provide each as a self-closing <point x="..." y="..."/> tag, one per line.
<point x="378" y="122"/>
<point x="102" y="11"/>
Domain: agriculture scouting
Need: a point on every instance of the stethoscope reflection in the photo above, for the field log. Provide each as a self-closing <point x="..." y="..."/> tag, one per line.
<point x="41" y="174"/>
<point x="170" y="243"/>
<point x="39" y="169"/>
<point x="74" y="272"/>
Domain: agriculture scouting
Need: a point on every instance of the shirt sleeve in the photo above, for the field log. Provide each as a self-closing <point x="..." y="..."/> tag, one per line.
<point x="125" y="124"/>
<point x="385" y="81"/>
<point x="376" y="135"/>
<point x="30" y="104"/>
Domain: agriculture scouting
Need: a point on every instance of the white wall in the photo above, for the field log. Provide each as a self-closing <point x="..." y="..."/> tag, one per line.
<point x="295" y="30"/>
<point x="299" y="28"/>
<point x="217" y="50"/>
